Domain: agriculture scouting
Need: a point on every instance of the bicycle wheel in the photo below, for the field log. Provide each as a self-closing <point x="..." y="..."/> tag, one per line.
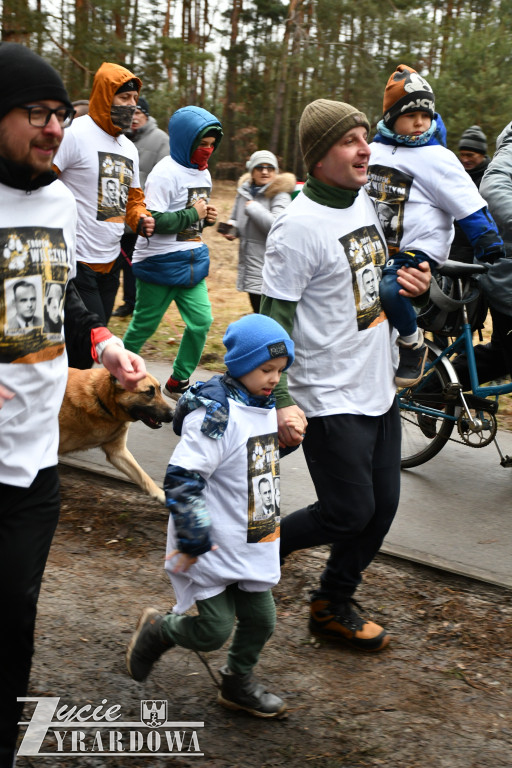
<point x="423" y="436"/>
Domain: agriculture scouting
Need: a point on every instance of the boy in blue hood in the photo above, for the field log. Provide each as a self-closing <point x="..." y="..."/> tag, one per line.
<point x="417" y="195"/>
<point x="173" y="265"/>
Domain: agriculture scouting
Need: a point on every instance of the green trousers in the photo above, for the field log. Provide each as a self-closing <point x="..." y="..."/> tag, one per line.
<point x="255" y="616"/>
<point x="194" y="307"/>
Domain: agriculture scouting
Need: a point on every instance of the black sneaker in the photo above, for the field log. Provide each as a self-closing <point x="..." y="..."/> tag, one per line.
<point x="175" y="388"/>
<point x="244" y="692"/>
<point x="125" y="310"/>
<point x="412" y="362"/>
<point x="146" y="645"/>
<point x="340" y="621"/>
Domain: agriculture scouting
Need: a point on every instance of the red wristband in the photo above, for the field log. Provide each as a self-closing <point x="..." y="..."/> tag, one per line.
<point x="98" y="335"/>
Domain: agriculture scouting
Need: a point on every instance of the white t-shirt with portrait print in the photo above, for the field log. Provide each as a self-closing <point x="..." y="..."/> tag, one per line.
<point x="233" y="468"/>
<point x="424" y="189"/>
<point x="173" y="187"/>
<point x="344" y="355"/>
<point x="99" y="169"/>
<point x="37" y="232"/>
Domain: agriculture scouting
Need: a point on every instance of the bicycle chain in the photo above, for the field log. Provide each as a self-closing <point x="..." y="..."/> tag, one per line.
<point x="448" y="439"/>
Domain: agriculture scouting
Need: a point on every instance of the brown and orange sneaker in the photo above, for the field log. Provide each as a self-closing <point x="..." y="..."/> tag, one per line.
<point x="340" y="621"/>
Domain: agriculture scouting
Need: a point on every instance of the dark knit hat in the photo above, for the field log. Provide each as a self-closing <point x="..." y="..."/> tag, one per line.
<point x="406" y="91"/>
<point x="474" y="140"/>
<point x="252" y="341"/>
<point x="143" y="105"/>
<point x="322" y="123"/>
<point x="130" y="85"/>
<point x="26" y="78"/>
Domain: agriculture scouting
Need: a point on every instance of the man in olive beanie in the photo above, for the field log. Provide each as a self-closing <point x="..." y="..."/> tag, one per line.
<point x="317" y="253"/>
<point x="323" y="122"/>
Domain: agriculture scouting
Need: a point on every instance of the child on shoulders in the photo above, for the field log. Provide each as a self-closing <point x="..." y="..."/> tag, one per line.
<point x="417" y="195"/>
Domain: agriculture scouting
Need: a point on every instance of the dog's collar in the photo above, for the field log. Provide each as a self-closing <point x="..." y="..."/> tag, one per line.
<point x="105" y="408"/>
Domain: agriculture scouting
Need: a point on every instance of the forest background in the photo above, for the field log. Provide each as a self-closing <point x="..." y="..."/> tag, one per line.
<point x="256" y="63"/>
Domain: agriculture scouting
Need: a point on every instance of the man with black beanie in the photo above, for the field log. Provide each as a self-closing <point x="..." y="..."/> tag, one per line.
<point x="37" y="235"/>
<point x="317" y="253"/>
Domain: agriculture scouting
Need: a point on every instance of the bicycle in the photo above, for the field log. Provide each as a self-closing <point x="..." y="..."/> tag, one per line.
<point x="431" y="409"/>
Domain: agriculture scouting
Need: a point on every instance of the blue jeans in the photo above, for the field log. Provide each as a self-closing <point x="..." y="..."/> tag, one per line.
<point x="354" y="462"/>
<point x="399" y="309"/>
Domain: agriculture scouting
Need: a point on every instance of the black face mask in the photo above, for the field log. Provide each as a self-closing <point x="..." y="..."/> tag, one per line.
<point x="122" y="116"/>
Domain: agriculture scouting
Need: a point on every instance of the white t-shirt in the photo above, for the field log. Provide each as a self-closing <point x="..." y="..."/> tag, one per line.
<point x="239" y="470"/>
<point x="38" y="237"/>
<point x="329" y="260"/>
<point x="418" y="191"/>
<point x="172" y="187"/>
<point x="99" y="169"/>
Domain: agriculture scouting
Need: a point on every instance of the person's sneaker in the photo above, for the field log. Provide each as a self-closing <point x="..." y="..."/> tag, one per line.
<point x="174" y="388"/>
<point x="125" y="310"/>
<point x="146" y="645"/>
<point x="244" y="692"/>
<point x="340" y="621"/>
<point x="412" y="362"/>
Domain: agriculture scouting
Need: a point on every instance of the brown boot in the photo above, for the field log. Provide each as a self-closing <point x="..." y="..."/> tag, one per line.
<point x="340" y="621"/>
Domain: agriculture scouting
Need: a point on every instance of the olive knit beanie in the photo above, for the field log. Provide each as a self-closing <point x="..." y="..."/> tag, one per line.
<point x="27" y="78"/>
<point x="406" y="91"/>
<point x="322" y="123"/>
<point x="474" y="140"/>
<point x="252" y="341"/>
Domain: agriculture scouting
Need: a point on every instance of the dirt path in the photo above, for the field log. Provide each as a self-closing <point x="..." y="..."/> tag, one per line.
<point x="440" y="696"/>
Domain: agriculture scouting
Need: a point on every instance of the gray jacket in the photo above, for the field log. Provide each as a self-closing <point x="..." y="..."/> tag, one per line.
<point x="253" y="224"/>
<point x="496" y="186"/>
<point x="152" y="145"/>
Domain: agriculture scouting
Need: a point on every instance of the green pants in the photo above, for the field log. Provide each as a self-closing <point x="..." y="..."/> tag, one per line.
<point x="194" y="307"/>
<point x="255" y="615"/>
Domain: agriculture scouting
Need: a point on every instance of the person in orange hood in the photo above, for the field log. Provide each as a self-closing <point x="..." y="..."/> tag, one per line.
<point x="100" y="166"/>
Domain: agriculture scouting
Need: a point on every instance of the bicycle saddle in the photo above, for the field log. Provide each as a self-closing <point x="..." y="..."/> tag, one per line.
<point x="461" y="269"/>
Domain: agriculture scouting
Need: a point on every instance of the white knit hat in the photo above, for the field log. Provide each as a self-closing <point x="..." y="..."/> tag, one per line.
<point x="259" y="157"/>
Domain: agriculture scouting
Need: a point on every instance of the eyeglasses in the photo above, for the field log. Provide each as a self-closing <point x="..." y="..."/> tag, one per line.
<point x="268" y="168"/>
<point x="39" y="116"/>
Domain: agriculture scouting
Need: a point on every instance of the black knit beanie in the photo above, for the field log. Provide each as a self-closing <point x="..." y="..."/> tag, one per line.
<point x="322" y="123"/>
<point x="27" y="77"/>
<point x="474" y="140"/>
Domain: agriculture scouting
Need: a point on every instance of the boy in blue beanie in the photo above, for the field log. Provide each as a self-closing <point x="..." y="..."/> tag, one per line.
<point x="418" y="194"/>
<point x="173" y="264"/>
<point x="223" y="536"/>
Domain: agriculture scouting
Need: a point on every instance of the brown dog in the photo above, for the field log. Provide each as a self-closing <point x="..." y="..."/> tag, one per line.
<point x="96" y="413"/>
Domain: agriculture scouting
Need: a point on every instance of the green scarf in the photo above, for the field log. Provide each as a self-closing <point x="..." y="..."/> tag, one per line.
<point x="324" y="194"/>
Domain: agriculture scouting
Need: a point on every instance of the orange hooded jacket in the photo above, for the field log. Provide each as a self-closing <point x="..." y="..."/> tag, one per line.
<point x="107" y="80"/>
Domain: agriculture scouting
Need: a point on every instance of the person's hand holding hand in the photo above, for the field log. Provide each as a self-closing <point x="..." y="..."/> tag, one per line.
<point x="291" y="425"/>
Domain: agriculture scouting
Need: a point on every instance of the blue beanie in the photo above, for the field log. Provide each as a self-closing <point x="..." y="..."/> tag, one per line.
<point x="252" y="341"/>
